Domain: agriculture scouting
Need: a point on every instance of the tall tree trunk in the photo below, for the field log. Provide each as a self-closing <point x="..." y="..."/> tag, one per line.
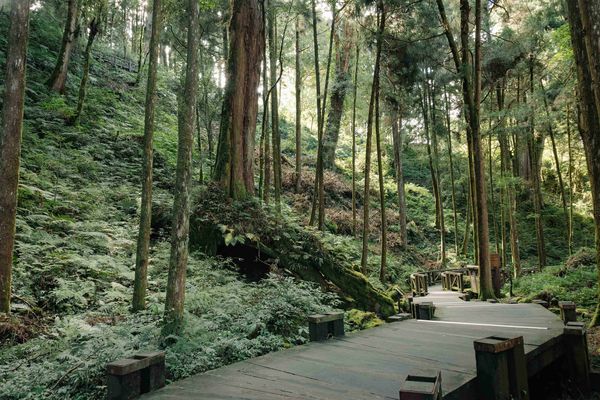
<point x="10" y="141"/>
<point x="511" y="206"/>
<point x="319" y="200"/>
<point x="561" y="185"/>
<point x="589" y="107"/>
<point x="535" y="167"/>
<point x="451" y="166"/>
<point x="383" y="265"/>
<point x="298" y="82"/>
<point x="143" y="241"/>
<point x="234" y="167"/>
<point x="174" y="302"/>
<point x="93" y="31"/>
<point x="273" y="51"/>
<point x="266" y="136"/>
<point x="343" y="50"/>
<point x="481" y="209"/>
<point x="353" y="128"/>
<point x="395" y="115"/>
<point x="570" y="148"/>
<point x="58" y="79"/>
<point x="436" y="168"/>
<point x="374" y="90"/>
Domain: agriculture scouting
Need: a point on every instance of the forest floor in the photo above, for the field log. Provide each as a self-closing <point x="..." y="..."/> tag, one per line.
<point x="75" y="249"/>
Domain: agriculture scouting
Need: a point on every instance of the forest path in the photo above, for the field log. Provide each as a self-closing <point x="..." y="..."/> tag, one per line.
<point x="371" y="364"/>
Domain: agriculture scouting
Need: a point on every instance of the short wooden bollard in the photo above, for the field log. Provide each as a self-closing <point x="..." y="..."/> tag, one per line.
<point x="568" y="311"/>
<point x="424" y="310"/>
<point x="576" y="350"/>
<point x="541" y="303"/>
<point x="130" y="377"/>
<point x="422" y="386"/>
<point x="325" y="326"/>
<point x="501" y="368"/>
<point x="473" y="271"/>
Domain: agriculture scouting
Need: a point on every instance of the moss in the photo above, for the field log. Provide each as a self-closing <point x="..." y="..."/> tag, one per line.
<point x="359" y="320"/>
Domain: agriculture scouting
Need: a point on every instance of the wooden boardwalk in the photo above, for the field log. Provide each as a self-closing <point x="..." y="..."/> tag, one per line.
<point x="371" y="364"/>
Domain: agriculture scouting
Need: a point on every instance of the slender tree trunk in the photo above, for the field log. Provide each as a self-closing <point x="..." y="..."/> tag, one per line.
<point x="234" y="167"/>
<point x="374" y="89"/>
<point x="570" y="147"/>
<point x="10" y="141"/>
<point x="143" y="241"/>
<point x="93" y="31"/>
<point x="273" y="51"/>
<point x="319" y="121"/>
<point x="343" y="50"/>
<point x="561" y="185"/>
<point x="175" y="298"/>
<point x="58" y="79"/>
<point x="535" y="167"/>
<point x="451" y="166"/>
<point x="383" y="265"/>
<point x="398" y="146"/>
<point x="436" y="168"/>
<point x="465" y="244"/>
<point x="355" y="89"/>
<point x="319" y="200"/>
<point x="298" y="108"/>
<point x="266" y="136"/>
<point x="589" y="107"/>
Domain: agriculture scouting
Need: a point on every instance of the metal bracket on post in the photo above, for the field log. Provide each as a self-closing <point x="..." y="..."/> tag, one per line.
<point x="501" y="368"/>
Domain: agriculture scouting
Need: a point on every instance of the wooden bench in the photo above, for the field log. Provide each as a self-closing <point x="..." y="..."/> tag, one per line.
<point x="130" y="377"/>
<point x="422" y="386"/>
<point x="501" y="368"/>
<point x="325" y="326"/>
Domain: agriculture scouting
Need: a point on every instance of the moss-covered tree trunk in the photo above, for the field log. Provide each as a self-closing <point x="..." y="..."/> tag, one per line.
<point x="143" y="240"/>
<point x="234" y="167"/>
<point x="343" y="51"/>
<point x="58" y="79"/>
<point x="589" y="121"/>
<point x="174" y="302"/>
<point x="10" y="141"/>
<point x="353" y="129"/>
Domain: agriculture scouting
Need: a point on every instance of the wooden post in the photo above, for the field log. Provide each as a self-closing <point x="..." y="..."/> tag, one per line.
<point x="576" y="350"/>
<point x="568" y="312"/>
<point x="324" y="326"/>
<point x="495" y="265"/>
<point x="422" y="386"/>
<point x="130" y="377"/>
<point x="473" y="271"/>
<point x="424" y="310"/>
<point x="501" y="368"/>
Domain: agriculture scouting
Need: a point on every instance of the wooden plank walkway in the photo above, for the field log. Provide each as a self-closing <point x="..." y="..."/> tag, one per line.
<point x="371" y="364"/>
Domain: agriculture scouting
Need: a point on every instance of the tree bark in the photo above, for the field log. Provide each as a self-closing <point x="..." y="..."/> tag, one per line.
<point x="298" y="82"/>
<point x="354" y="95"/>
<point x="94" y="28"/>
<point x="343" y="47"/>
<point x="451" y="166"/>
<point x="276" y="139"/>
<point x="383" y="265"/>
<point x="58" y="79"/>
<point x="396" y="117"/>
<point x="234" y="167"/>
<point x="10" y="141"/>
<point x="374" y="90"/>
<point x="143" y="241"/>
<point x="589" y="121"/>
<point x="174" y="302"/>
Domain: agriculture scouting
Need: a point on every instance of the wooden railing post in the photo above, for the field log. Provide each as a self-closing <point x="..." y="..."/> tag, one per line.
<point x="568" y="311"/>
<point x="325" y="326"/>
<point x="129" y="377"/>
<point x="576" y="350"/>
<point x="501" y="368"/>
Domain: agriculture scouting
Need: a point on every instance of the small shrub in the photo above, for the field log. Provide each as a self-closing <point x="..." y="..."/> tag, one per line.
<point x="583" y="256"/>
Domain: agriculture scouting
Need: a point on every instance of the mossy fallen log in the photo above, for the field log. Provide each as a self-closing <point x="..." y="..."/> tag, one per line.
<point x="309" y="254"/>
